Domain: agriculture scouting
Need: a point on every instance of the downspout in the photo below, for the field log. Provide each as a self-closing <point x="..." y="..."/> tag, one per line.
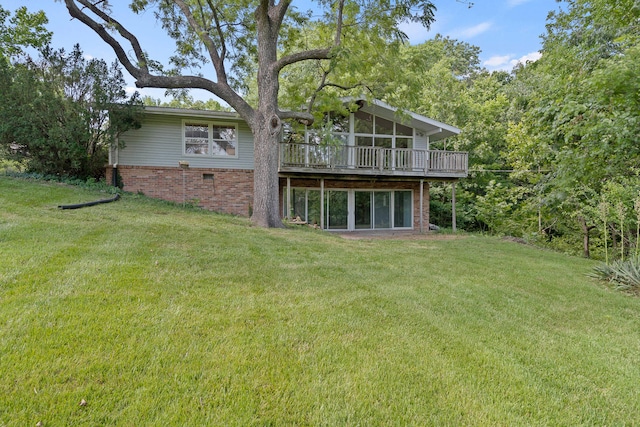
<point x="421" y="205"/>
<point x="114" y="168"/>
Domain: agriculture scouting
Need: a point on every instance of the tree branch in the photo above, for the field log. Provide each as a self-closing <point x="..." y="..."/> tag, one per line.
<point x="339" y="22"/>
<point x="302" y="56"/>
<point x="140" y="71"/>
<point x="203" y="34"/>
<point x="323" y="84"/>
<point x="135" y="70"/>
<point x="301" y="116"/>
<point x="216" y="18"/>
<point x="280" y="10"/>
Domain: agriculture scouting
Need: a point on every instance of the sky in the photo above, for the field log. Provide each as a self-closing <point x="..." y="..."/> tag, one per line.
<point x="506" y="31"/>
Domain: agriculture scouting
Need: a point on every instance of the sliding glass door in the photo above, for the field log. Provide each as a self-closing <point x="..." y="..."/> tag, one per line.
<point x="375" y="209"/>
<point x="355" y="209"/>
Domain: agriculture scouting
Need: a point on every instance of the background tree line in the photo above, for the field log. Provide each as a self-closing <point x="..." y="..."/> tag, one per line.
<point x="553" y="144"/>
<point x="59" y="111"/>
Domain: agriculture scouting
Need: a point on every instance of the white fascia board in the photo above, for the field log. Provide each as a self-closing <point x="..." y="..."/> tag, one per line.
<point x="169" y="111"/>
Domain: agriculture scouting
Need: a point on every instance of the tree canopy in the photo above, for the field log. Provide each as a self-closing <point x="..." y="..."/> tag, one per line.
<point x="60" y="112"/>
<point x="23" y="29"/>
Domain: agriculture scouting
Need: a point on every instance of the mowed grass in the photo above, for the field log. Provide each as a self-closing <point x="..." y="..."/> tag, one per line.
<point x="157" y="315"/>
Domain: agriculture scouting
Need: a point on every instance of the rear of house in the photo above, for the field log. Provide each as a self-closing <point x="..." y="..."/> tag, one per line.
<point x="371" y="172"/>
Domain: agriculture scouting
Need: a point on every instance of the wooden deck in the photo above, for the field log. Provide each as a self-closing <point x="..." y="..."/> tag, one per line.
<point x="375" y="161"/>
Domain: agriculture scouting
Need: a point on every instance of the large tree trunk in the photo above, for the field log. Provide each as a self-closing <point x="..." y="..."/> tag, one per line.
<point x="266" y="134"/>
<point x="266" y="124"/>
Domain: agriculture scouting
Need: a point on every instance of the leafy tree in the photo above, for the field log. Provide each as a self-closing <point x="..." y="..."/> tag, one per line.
<point x="260" y="37"/>
<point x="24" y="29"/>
<point x="61" y="112"/>
<point x="576" y="113"/>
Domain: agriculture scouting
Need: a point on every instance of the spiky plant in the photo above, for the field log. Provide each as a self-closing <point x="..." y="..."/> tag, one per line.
<point x="604" y="211"/>
<point x="624" y="275"/>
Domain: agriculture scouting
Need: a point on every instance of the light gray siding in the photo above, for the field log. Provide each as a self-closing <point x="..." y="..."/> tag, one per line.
<point x="159" y="142"/>
<point x="420" y="141"/>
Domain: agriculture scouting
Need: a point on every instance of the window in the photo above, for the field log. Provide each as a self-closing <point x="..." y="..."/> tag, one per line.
<point x="210" y="139"/>
<point x="196" y="138"/>
<point x="375" y="131"/>
<point x="224" y="140"/>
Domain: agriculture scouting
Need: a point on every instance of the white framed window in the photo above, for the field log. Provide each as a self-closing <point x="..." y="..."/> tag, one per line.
<point x="375" y="131"/>
<point x="212" y="139"/>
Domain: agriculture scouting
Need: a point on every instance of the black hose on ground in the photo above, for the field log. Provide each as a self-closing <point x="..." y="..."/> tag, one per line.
<point x="83" y="205"/>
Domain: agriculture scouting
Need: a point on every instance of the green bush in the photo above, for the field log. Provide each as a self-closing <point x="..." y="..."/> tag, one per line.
<point x="10" y="166"/>
<point x="625" y="275"/>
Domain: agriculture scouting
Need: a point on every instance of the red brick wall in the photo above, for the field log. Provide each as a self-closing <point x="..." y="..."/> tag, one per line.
<point x="221" y="190"/>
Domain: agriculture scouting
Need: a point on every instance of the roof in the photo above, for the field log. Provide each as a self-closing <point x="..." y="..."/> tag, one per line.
<point x="434" y="129"/>
<point x="170" y="111"/>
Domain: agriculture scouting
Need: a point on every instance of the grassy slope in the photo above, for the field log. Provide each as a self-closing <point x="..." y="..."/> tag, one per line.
<point x="157" y="315"/>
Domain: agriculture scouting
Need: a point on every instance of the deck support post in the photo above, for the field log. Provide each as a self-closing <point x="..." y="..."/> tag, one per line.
<point x="321" y="203"/>
<point x="453" y="206"/>
<point x="289" y="210"/>
<point x="421" y="206"/>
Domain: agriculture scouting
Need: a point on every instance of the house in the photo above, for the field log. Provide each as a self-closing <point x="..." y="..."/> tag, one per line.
<point x="370" y="172"/>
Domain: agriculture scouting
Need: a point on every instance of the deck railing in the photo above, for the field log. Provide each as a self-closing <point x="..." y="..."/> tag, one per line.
<point x="376" y="159"/>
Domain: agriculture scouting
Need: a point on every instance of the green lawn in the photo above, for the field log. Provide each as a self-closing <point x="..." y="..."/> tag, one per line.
<point x="159" y="315"/>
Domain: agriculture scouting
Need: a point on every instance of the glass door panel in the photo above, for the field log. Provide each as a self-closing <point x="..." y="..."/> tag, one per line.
<point x="363" y="209"/>
<point x="382" y="209"/>
<point x="299" y="199"/>
<point x="402" y="211"/>
<point x="336" y="210"/>
<point x="313" y="207"/>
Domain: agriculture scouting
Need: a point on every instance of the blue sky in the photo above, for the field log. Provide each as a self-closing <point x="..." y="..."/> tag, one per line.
<point x="506" y="31"/>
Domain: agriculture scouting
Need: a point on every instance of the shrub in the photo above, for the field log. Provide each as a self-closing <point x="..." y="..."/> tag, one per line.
<point x="625" y="275"/>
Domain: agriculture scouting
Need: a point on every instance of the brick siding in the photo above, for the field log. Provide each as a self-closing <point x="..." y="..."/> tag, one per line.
<point x="221" y="190"/>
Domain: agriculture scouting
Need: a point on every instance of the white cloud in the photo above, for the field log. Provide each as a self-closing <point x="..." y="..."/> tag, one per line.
<point x="507" y="62"/>
<point x="130" y="89"/>
<point x="87" y="57"/>
<point x="497" y="61"/>
<point x="529" y="57"/>
<point x="470" y="32"/>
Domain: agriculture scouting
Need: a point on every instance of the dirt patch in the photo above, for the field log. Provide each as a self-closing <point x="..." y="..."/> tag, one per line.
<point x="515" y="240"/>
